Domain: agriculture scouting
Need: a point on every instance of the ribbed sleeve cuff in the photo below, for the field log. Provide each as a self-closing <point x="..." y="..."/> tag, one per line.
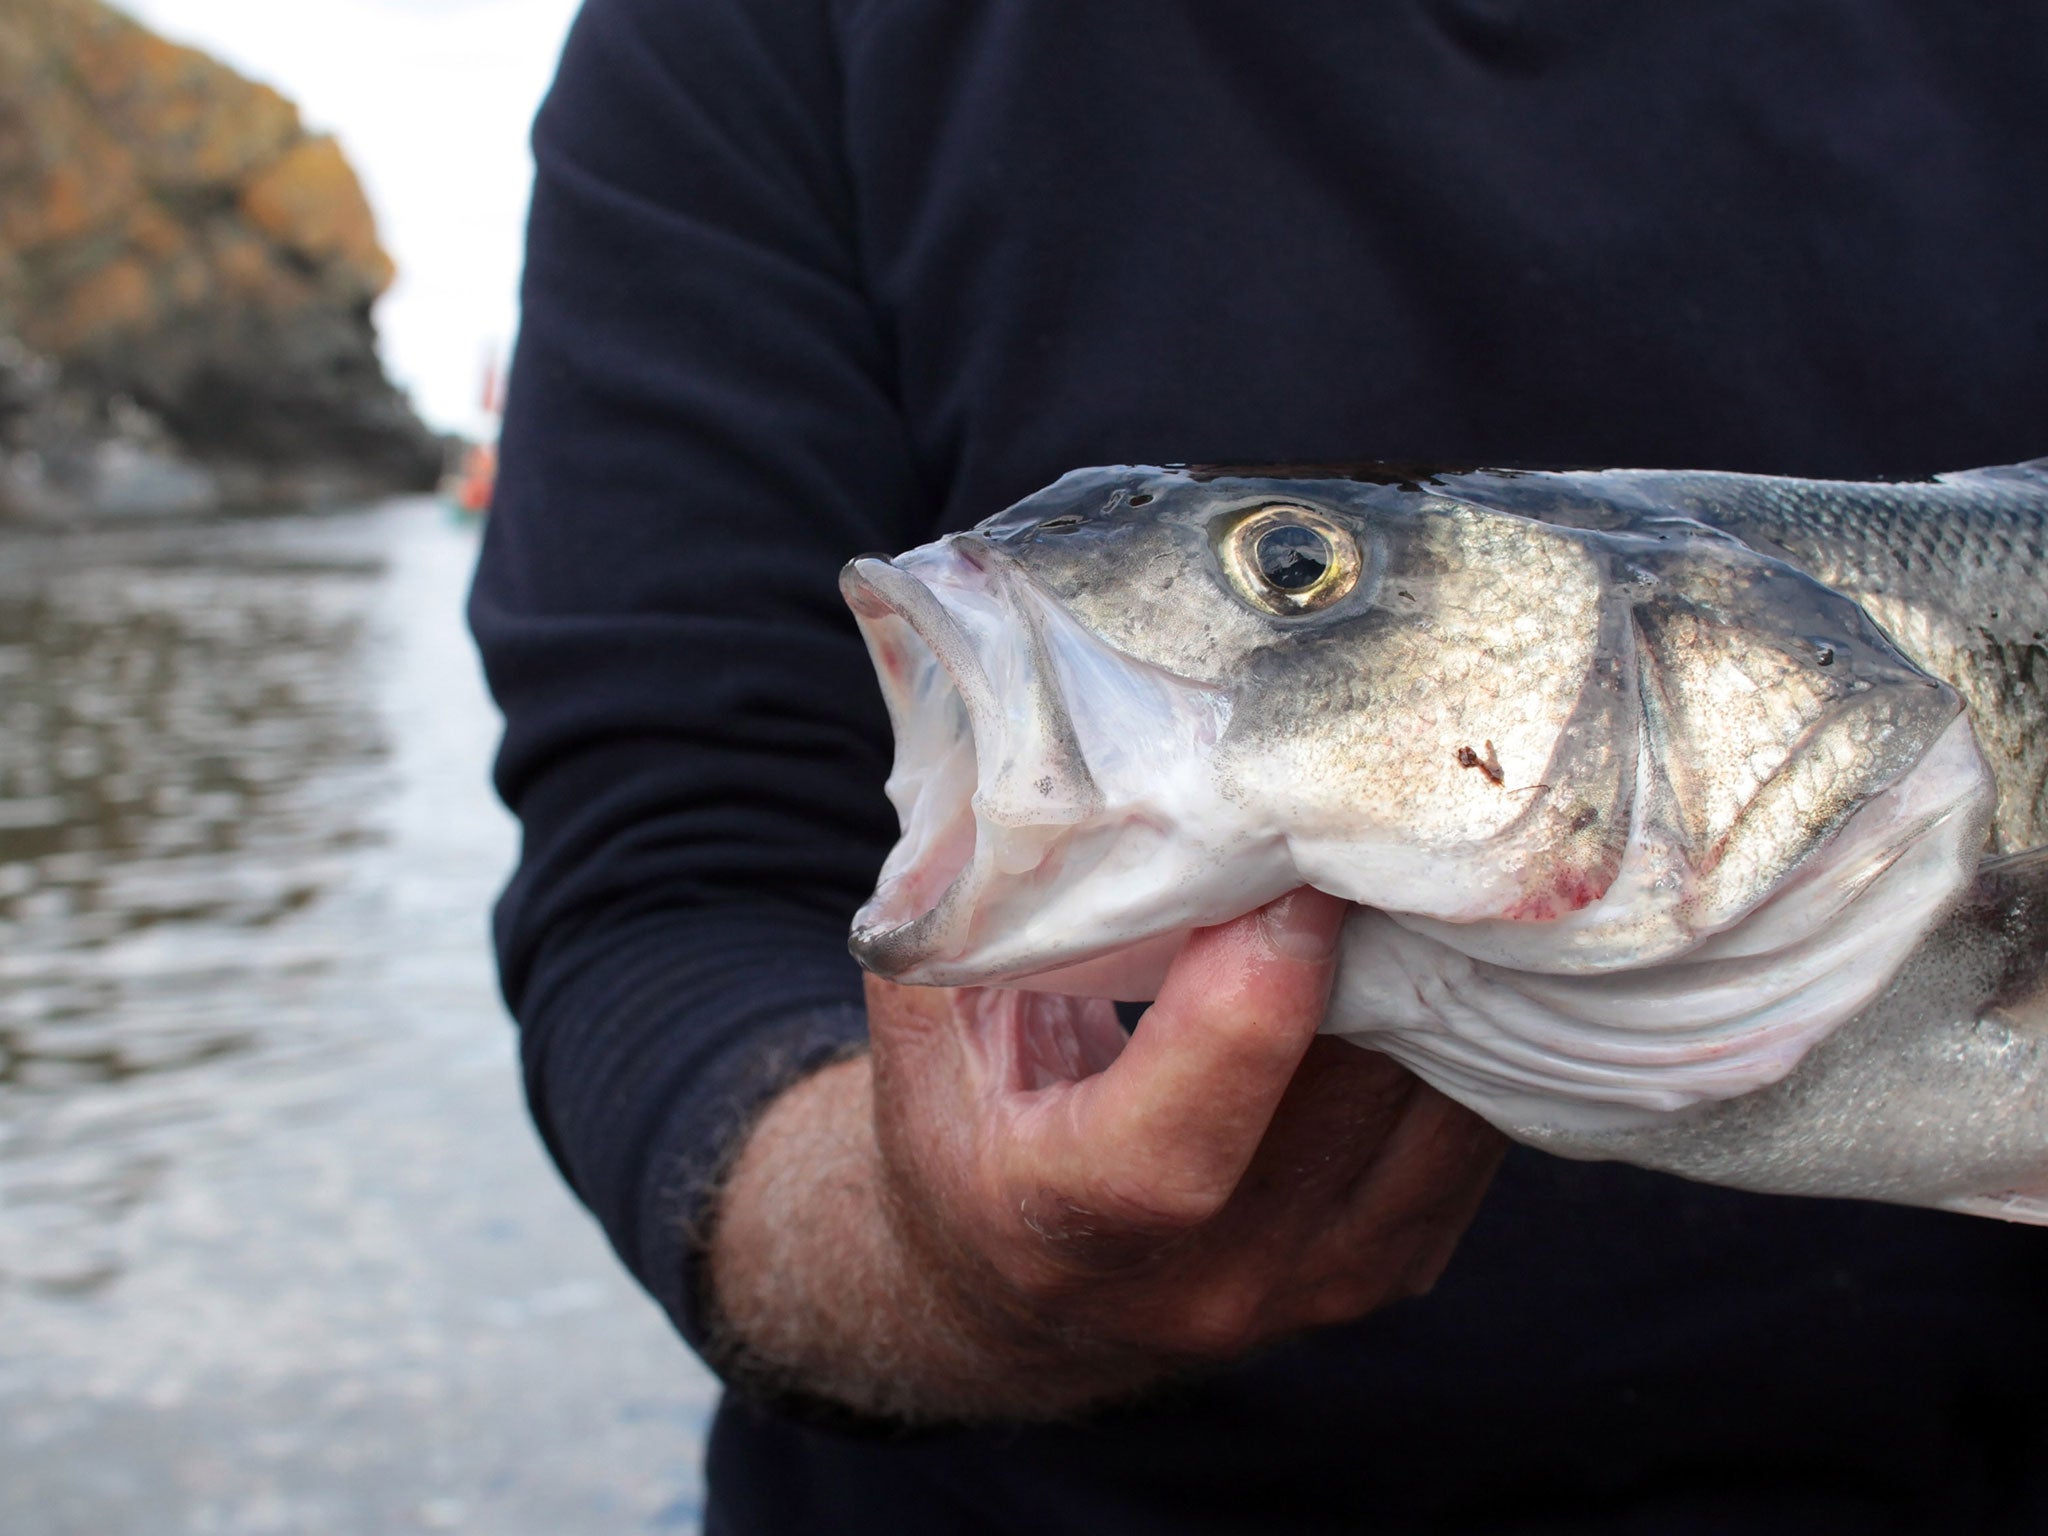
<point x="650" y="1049"/>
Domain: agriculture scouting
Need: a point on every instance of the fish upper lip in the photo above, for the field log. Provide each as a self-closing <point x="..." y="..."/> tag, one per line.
<point x="926" y="894"/>
<point x="877" y="588"/>
<point x="1025" y="780"/>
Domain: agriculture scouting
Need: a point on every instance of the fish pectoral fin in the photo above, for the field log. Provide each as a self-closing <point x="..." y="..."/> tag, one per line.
<point x="2029" y="868"/>
<point x="2003" y="917"/>
<point x="2027" y="1207"/>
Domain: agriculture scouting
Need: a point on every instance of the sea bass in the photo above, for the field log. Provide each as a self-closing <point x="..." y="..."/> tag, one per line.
<point x="1692" y="819"/>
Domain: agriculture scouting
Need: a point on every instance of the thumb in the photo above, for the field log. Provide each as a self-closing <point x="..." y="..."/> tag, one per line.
<point x="1185" y="1105"/>
<point x="1304" y="924"/>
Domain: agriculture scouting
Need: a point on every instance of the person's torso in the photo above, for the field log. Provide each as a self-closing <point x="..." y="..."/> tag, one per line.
<point x="1785" y="236"/>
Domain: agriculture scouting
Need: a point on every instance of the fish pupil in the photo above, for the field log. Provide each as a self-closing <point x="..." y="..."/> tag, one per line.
<point x="1292" y="558"/>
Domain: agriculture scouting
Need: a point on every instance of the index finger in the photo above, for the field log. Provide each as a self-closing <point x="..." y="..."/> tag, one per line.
<point x="1168" y="1129"/>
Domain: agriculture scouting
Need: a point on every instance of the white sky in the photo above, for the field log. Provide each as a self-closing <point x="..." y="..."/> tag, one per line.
<point x="432" y="100"/>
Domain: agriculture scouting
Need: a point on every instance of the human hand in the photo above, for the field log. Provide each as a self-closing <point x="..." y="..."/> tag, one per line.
<point x="1112" y="1208"/>
<point x="1007" y="1210"/>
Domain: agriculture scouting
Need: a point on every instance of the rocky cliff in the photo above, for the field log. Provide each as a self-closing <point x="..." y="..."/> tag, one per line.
<point x="186" y="277"/>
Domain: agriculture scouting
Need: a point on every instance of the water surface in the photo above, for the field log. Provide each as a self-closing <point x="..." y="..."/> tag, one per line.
<point x="278" y="1251"/>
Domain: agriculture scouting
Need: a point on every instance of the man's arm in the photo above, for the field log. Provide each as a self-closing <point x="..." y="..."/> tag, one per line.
<point x="1007" y="1211"/>
<point x="700" y="429"/>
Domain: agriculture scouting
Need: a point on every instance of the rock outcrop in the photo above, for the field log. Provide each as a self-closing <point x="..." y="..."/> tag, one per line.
<point x="186" y="277"/>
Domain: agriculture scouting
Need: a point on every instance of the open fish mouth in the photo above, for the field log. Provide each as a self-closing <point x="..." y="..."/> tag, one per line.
<point x="1034" y="839"/>
<point x="987" y="771"/>
<point x="933" y="782"/>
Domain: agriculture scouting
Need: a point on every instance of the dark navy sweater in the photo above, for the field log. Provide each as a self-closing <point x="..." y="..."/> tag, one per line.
<point x="814" y="277"/>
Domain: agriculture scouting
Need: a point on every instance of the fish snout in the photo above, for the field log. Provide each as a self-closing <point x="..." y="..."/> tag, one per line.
<point x="988" y="773"/>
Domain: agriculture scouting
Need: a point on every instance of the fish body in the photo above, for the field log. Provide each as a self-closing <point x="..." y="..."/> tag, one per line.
<point x="1662" y="796"/>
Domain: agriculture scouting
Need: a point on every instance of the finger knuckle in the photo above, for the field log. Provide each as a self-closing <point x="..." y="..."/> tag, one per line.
<point x="1352" y="1299"/>
<point x="1220" y="1323"/>
<point x="1269" y="1030"/>
<point x="1087" y="1238"/>
<point x="1160" y="1205"/>
<point x="1031" y="1280"/>
<point x="1255" y="1030"/>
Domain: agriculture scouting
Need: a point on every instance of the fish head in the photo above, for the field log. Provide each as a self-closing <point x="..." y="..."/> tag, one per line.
<point x="1146" y="700"/>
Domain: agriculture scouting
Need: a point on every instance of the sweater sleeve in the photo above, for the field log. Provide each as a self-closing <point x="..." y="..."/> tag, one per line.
<point x="700" y="430"/>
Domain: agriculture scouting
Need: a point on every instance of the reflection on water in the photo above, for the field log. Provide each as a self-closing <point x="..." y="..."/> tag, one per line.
<point x="277" y="1252"/>
<point x="158" y="720"/>
<point x="189" y="755"/>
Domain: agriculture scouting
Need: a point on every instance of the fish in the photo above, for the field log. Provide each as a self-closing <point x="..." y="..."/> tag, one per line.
<point x="1693" y="819"/>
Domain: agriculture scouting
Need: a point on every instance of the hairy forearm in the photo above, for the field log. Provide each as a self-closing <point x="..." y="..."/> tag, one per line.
<point x="1012" y="1210"/>
<point x="818" y="1291"/>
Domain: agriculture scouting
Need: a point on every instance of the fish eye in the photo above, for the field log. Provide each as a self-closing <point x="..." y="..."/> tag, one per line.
<point x="1292" y="557"/>
<point x="1289" y="560"/>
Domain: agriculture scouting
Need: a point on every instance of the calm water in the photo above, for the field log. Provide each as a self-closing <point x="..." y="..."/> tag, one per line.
<point x="278" y="1251"/>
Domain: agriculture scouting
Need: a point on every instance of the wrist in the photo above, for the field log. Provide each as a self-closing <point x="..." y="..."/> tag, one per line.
<point x="826" y="1284"/>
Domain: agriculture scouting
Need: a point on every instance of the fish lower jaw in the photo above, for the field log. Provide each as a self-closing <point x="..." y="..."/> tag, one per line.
<point x="1099" y="908"/>
<point x="954" y="860"/>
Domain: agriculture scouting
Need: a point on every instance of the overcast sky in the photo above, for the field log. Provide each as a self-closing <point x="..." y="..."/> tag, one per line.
<point x="432" y="100"/>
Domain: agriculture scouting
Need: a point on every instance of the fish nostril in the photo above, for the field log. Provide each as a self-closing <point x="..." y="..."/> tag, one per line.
<point x="1141" y="498"/>
<point x="1065" y="523"/>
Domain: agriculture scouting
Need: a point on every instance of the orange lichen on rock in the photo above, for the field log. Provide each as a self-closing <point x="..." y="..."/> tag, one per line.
<point x="171" y="233"/>
<point x="195" y="122"/>
<point x="309" y="201"/>
<point x="155" y="233"/>
<point x="111" y="301"/>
